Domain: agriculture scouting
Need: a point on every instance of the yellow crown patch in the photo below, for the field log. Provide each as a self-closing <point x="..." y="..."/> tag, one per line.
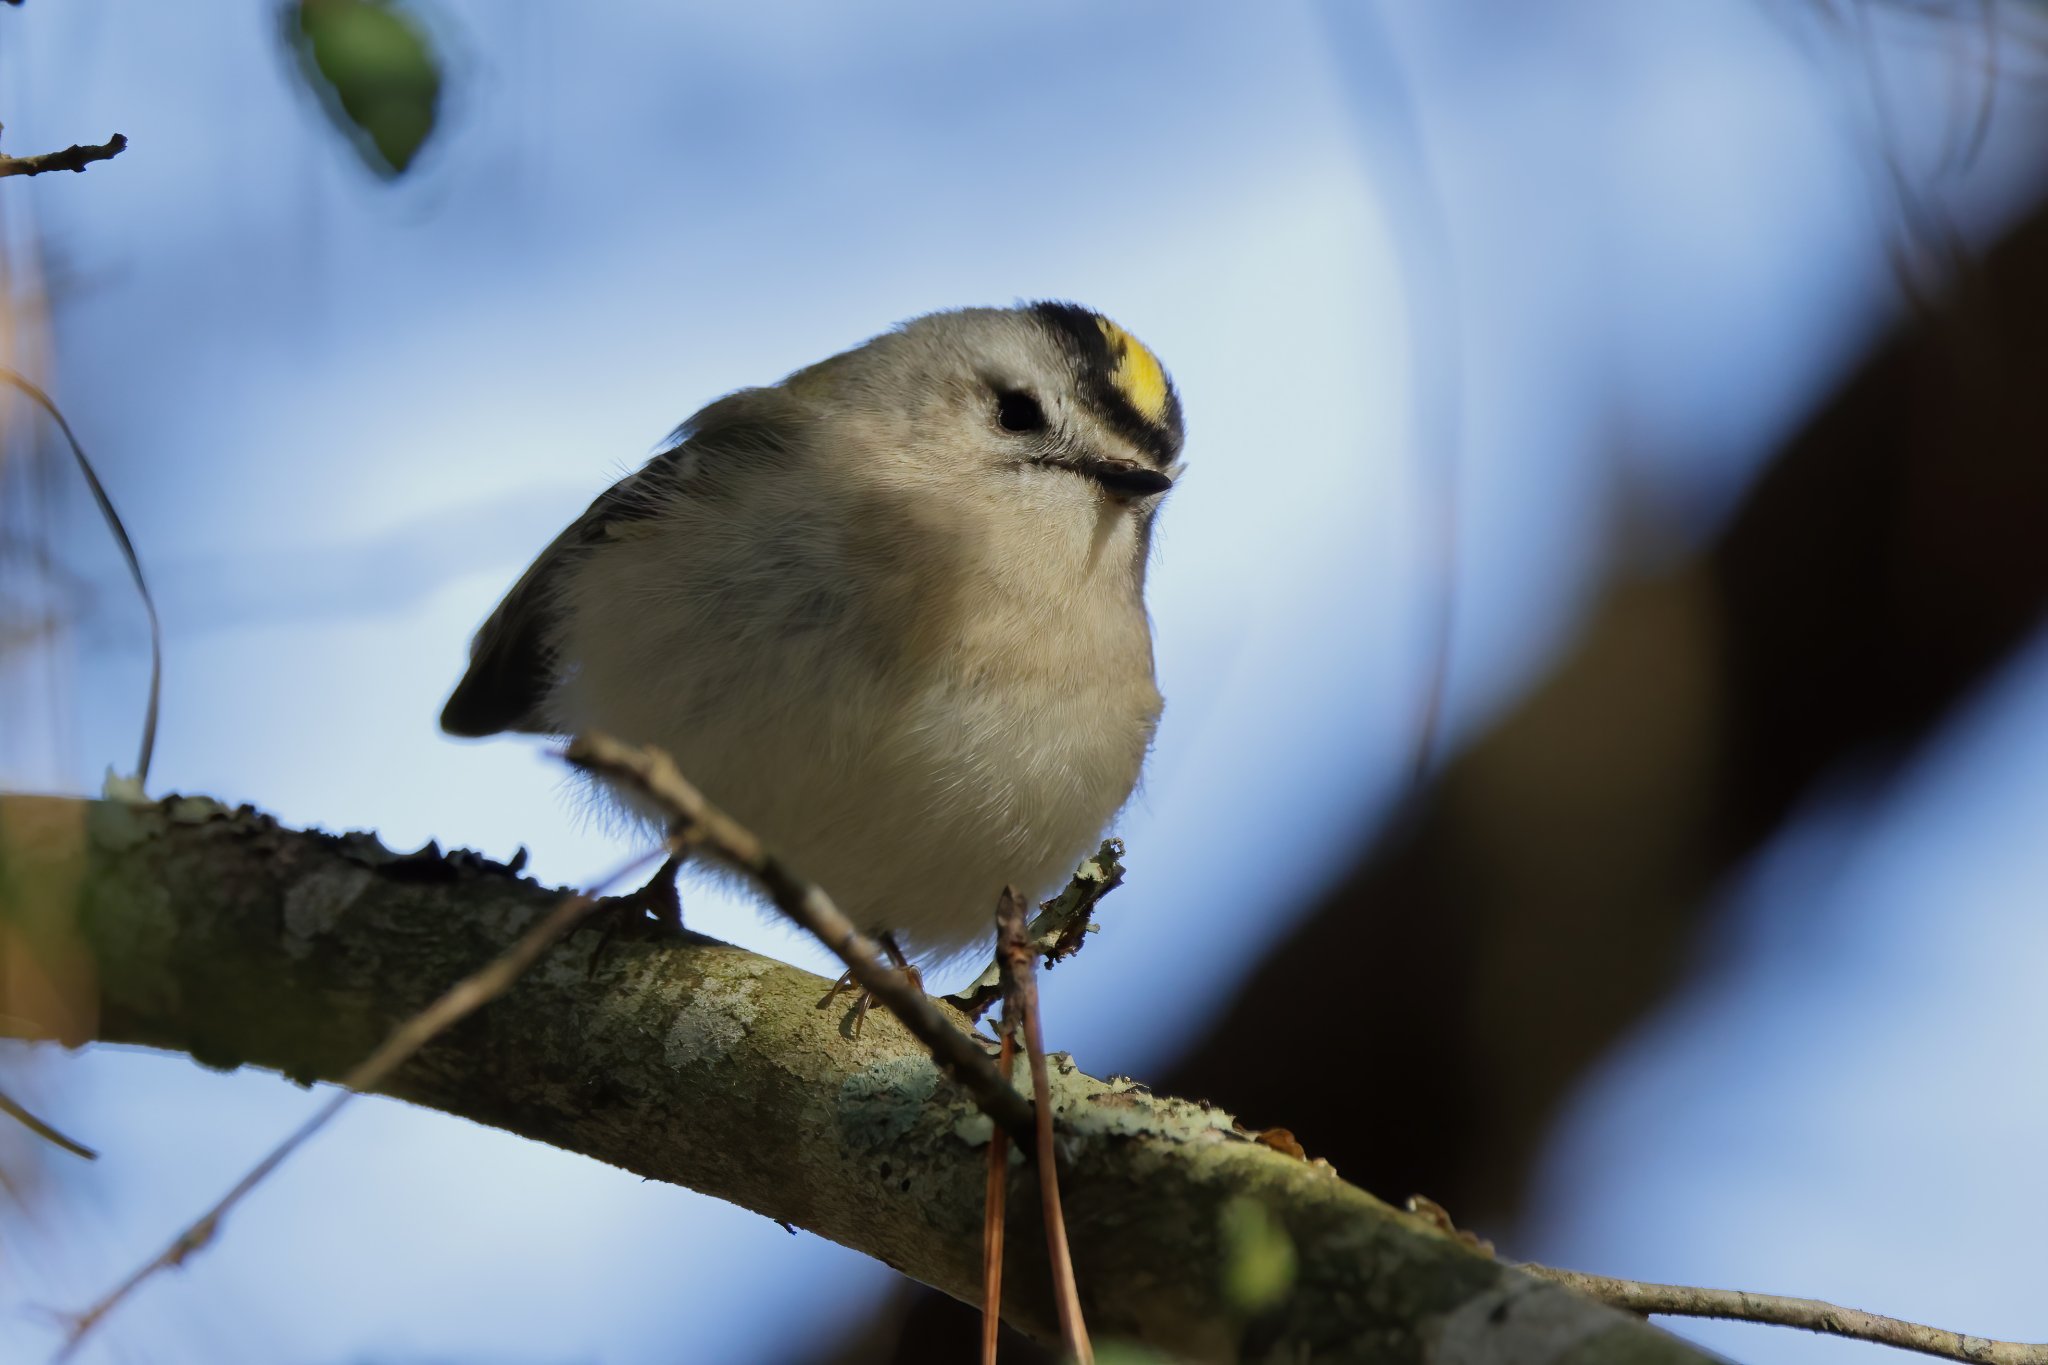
<point x="1138" y="375"/>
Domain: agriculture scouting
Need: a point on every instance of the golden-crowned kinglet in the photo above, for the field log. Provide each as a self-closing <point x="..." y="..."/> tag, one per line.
<point x="888" y="613"/>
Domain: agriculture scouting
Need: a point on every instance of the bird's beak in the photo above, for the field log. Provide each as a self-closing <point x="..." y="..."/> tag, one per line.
<point x="1126" y="479"/>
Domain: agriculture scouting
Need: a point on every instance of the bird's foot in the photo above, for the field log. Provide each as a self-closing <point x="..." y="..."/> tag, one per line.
<point x="654" y="910"/>
<point x="845" y="983"/>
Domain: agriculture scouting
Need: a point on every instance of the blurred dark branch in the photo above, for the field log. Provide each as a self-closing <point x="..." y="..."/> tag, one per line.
<point x="225" y="935"/>
<point x="73" y="158"/>
<point x="1544" y="895"/>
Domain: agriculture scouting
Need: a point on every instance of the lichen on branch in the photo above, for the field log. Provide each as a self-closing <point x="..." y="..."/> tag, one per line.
<point x="222" y="934"/>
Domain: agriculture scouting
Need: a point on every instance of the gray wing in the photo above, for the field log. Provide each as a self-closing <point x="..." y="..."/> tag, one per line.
<point x="512" y="664"/>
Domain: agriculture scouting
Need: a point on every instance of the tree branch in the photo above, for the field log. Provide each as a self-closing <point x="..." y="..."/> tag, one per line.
<point x="460" y="1001"/>
<point x="222" y="934"/>
<point x="76" y="157"/>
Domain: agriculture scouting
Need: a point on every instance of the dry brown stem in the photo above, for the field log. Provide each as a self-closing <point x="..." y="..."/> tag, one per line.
<point x="995" y="1209"/>
<point x="1019" y="959"/>
<point x="1684" y="1301"/>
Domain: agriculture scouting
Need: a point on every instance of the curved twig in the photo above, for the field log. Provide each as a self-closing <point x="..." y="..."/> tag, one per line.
<point x="13" y="1109"/>
<point x="1684" y="1301"/>
<point x="127" y="547"/>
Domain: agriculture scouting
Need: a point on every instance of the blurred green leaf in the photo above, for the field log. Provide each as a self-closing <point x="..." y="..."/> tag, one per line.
<point x="1258" y="1257"/>
<point x="376" y="74"/>
<point x="1129" y="1353"/>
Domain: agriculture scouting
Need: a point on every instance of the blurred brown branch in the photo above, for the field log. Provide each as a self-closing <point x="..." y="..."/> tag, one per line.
<point x="1548" y="889"/>
<point x="73" y="158"/>
<point x="221" y="933"/>
<point x="1554" y="878"/>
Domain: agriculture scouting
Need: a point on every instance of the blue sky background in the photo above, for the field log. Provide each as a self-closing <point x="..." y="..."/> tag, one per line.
<point x="340" y="416"/>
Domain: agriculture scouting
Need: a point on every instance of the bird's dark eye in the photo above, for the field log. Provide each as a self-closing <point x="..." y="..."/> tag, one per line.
<point x="1017" y="410"/>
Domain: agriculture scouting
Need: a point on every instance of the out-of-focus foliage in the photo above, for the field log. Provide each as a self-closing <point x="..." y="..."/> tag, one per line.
<point x="376" y="74"/>
<point x="1260" y="1265"/>
<point x="1124" y="1353"/>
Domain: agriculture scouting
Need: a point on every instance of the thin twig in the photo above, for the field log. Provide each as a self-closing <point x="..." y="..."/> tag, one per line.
<point x="1683" y="1301"/>
<point x="1058" y="929"/>
<point x="1020" y="997"/>
<point x="995" y="1209"/>
<point x="73" y="158"/>
<point x="134" y="561"/>
<point x="462" y="999"/>
<point x="10" y="1107"/>
<point x="695" y="822"/>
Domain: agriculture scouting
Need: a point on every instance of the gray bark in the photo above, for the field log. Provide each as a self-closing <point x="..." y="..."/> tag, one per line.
<point x="225" y="936"/>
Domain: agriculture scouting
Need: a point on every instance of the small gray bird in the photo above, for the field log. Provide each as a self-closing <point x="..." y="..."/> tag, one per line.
<point x="888" y="613"/>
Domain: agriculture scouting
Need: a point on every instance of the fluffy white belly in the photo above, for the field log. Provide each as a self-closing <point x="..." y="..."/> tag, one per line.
<point x="912" y="801"/>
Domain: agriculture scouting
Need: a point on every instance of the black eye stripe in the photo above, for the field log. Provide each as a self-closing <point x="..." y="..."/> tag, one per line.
<point x="1081" y="334"/>
<point x="1018" y="411"/>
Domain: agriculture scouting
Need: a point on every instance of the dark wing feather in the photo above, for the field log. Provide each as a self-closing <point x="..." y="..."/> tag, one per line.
<point x="511" y="664"/>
